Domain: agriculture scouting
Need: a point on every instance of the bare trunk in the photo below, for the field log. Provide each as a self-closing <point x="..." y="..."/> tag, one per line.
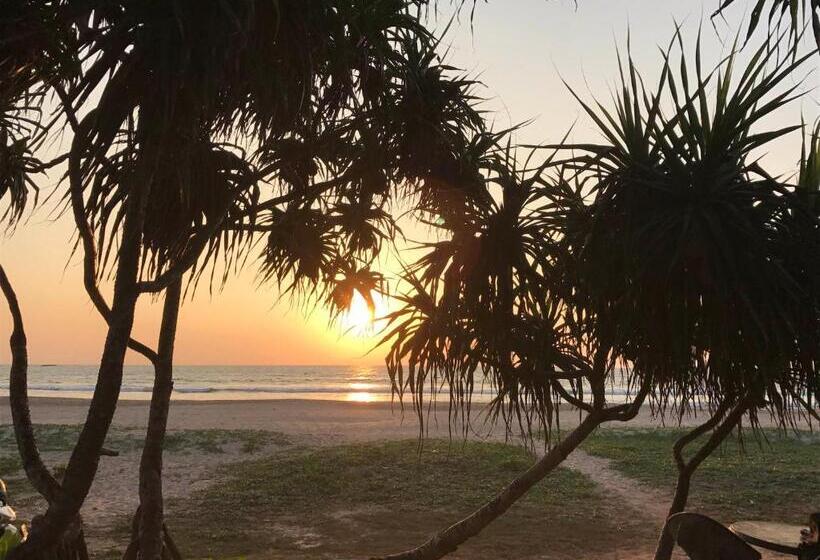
<point x="150" y="513"/>
<point x="36" y="471"/>
<point x="451" y="538"/>
<point x="721" y="427"/>
<point x="84" y="461"/>
<point x="448" y="540"/>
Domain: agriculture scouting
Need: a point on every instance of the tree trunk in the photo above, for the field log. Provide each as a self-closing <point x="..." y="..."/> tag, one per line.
<point x="451" y="538"/>
<point x="721" y="427"/>
<point x="150" y="513"/>
<point x="84" y="461"/>
<point x="36" y="471"/>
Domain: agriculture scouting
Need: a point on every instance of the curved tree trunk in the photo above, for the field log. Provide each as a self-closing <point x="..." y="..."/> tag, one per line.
<point x="84" y="461"/>
<point x="721" y="425"/>
<point x="451" y="538"/>
<point x="36" y="471"/>
<point x="448" y="540"/>
<point x="150" y="513"/>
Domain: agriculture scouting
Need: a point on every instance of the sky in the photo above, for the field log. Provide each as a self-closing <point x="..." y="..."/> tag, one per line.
<point x="520" y="50"/>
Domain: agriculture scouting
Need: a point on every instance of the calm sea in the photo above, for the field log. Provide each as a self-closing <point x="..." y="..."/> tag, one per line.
<point x="346" y="383"/>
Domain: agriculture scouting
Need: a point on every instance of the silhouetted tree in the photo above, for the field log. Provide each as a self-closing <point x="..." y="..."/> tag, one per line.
<point x="202" y="127"/>
<point x="202" y="130"/>
<point x="667" y="250"/>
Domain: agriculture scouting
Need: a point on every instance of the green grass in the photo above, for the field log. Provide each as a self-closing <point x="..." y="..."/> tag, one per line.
<point x="9" y="465"/>
<point x="53" y="438"/>
<point x="61" y="438"/>
<point x="365" y="499"/>
<point x="774" y="478"/>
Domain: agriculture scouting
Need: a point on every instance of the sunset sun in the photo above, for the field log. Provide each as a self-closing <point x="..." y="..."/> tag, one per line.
<point x="359" y="319"/>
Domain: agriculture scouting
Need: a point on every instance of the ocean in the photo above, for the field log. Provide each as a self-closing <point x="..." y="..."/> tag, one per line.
<point x="220" y="382"/>
<point x="338" y="383"/>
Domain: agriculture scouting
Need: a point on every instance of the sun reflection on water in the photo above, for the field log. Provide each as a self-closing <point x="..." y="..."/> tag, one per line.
<point x="361" y="397"/>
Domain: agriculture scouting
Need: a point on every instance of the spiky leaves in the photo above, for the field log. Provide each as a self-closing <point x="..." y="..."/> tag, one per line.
<point x="33" y="36"/>
<point x="685" y="261"/>
<point x="795" y="11"/>
<point x="337" y="188"/>
<point x="316" y="95"/>
<point x="484" y="303"/>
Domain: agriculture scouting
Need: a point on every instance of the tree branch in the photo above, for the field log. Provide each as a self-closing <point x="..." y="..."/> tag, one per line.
<point x="84" y="229"/>
<point x="36" y="471"/>
<point x="686" y="439"/>
<point x="450" y="539"/>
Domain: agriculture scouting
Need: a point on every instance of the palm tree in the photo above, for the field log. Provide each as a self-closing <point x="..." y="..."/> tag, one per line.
<point x="200" y="128"/>
<point x="667" y="250"/>
<point x="30" y="32"/>
<point x="494" y="301"/>
<point x="693" y="258"/>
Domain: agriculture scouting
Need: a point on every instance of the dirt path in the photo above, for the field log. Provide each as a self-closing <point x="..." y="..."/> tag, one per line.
<point x="643" y="500"/>
<point x="649" y="502"/>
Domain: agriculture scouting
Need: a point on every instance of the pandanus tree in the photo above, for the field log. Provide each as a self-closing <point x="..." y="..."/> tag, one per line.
<point x="204" y="130"/>
<point x="667" y="250"/>
<point x="703" y="264"/>
<point x="199" y="130"/>
<point x="494" y="301"/>
<point x="29" y="56"/>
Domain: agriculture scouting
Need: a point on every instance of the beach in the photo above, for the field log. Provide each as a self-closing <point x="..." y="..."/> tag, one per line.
<point x="321" y="419"/>
<point x="209" y="436"/>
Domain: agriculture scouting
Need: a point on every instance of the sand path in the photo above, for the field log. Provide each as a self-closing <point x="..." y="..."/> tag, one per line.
<point x="650" y="503"/>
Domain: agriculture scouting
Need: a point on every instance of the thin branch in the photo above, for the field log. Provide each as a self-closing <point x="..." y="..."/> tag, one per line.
<point x="36" y="471"/>
<point x="84" y="229"/>
<point x="686" y="439"/>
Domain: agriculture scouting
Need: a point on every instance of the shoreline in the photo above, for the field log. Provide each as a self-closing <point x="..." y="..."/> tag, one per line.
<point x="322" y="421"/>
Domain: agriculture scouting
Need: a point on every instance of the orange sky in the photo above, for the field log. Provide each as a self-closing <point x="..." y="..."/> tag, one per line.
<point x="518" y="49"/>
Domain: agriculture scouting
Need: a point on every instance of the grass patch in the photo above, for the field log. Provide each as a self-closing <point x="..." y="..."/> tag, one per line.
<point x="61" y="438"/>
<point x="216" y="441"/>
<point x="9" y="465"/>
<point x="360" y="500"/>
<point x="772" y="478"/>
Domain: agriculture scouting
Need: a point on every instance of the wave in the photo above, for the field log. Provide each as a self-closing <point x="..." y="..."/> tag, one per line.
<point x="272" y="389"/>
<point x="63" y="387"/>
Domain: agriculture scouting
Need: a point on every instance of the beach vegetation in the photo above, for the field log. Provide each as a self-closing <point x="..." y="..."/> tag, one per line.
<point x="205" y="136"/>
<point x="360" y="499"/>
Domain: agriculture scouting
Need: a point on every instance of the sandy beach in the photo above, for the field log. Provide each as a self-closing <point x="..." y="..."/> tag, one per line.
<point x="324" y="421"/>
<point x="303" y="423"/>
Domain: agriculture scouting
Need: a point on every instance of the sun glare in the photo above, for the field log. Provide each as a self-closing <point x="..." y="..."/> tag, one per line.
<point x="361" y="397"/>
<point x="359" y="319"/>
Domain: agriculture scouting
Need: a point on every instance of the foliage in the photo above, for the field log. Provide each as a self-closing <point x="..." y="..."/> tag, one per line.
<point x="225" y="135"/>
<point x="667" y="251"/>
<point x="795" y="11"/>
<point x="700" y="264"/>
